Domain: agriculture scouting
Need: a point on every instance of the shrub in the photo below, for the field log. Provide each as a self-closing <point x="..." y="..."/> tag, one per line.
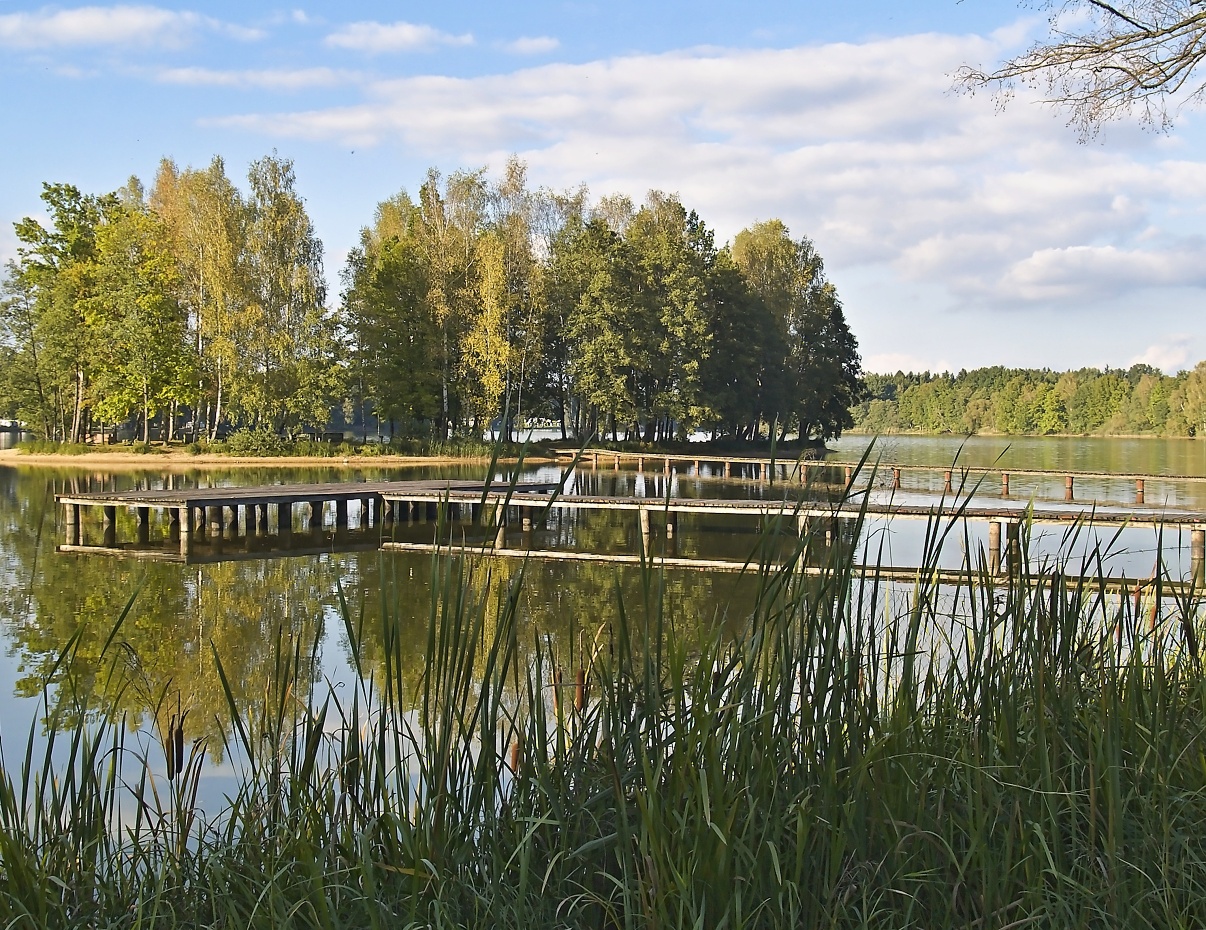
<point x="258" y="441"/>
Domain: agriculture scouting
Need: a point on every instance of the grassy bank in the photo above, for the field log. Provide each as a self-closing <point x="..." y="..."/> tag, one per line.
<point x="1016" y="753"/>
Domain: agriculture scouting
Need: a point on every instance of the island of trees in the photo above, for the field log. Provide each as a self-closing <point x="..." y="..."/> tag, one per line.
<point x="1135" y="401"/>
<point x="193" y="307"/>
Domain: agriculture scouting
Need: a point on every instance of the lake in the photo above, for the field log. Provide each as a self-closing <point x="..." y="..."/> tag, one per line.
<point x="182" y="614"/>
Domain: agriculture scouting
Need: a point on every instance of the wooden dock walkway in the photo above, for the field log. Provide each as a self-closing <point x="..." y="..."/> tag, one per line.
<point x="762" y="468"/>
<point x="211" y="513"/>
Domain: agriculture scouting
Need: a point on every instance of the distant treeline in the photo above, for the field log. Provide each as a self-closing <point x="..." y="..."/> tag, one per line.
<point x="1137" y="400"/>
<point x="194" y="308"/>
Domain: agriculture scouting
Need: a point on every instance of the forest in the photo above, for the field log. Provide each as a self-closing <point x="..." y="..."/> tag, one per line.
<point x="1139" y="400"/>
<point x="193" y="307"/>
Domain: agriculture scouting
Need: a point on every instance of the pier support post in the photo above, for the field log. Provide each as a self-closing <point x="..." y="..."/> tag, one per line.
<point x="1004" y="484"/>
<point x="263" y="519"/>
<point x="184" y="517"/>
<point x="946" y="482"/>
<point x="646" y="531"/>
<point x="72" y="516"/>
<point x="1013" y="547"/>
<point x="315" y="521"/>
<point x="895" y="479"/>
<point x="1068" y="486"/>
<point x="671" y="523"/>
<point x="640" y="463"/>
<point x="144" y="525"/>
<point x="728" y="469"/>
<point x="366" y="514"/>
<point x="341" y="515"/>
<point x="110" y="526"/>
<point x="666" y="468"/>
<point x="216" y="521"/>
<point x="233" y="522"/>
<point x="695" y="469"/>
<point x="1197" y="554"/>
<point x="1138" y="490"/>
<point x="526" y="518"/>
<point x="994" y="547"/>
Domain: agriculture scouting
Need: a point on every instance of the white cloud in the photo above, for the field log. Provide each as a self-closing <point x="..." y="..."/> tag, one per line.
<point x="1170" y="356"/>
<point x="267" y="79"/>
<point x="112" y="25"/>
<point x="532" y="45"/>
<point x="861" y="146"/>
<point x="375" y="38"/>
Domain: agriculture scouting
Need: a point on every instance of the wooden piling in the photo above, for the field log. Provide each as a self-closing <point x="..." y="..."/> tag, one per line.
<point x="72" y="519"/>
<point x="1068" y="486"/>
<point x="315" y="521"/>
<point x="185" y="518"/>
<point x="144" y="525"/>
<point x="341" y="515"/>
<point x="849" y="476"/>
<point x="1197" y="554"/>
<point x="284" y="519"/>
<point x="1138" y="490"/>
<point x="994" y="547"/>
<point x="695" y="469"/>
<point x="1013" y="547"/>
<point x="946" y="482"/>
<point x="895" y="479"/>
<point x="216" y="520"/>
<point x="728" y="469"/>
<point x="640" y="463"/>
<point x="671" y="523"/>
<point x="1004" y="484"/>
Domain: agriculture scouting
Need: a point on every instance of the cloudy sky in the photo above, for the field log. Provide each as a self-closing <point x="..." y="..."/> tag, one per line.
<point x="958" y="234"/>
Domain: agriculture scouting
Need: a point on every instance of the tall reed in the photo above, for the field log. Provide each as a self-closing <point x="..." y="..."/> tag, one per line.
<point x="1020" y="751"/>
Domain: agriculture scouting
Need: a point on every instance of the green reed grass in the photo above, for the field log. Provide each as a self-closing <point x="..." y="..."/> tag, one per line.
<point x="1021" y="751"/>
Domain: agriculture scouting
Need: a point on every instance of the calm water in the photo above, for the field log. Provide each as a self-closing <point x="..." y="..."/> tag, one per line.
<point x="182" y="613"/>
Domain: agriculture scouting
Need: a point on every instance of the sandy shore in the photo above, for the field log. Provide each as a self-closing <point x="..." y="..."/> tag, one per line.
<point x="177" y="460"/>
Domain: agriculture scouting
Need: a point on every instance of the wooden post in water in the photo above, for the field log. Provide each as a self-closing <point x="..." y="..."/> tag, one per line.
<point x="666" y="467"/>
<point x="1013" y="547"/>
<point x="994" y="547"/>
<point x="72" y="517"/>
<point x="526" y="519"/>
<point x="284" y="520"/>
<point x="263" y="519"/>
<point x="671" y="523"/>
<point x="110" y="525"/>
<point x="1068" y="484"/>
<point x="695" y="469"/>
<point x="144" y="525"/>
<point x="946" y="482"/>
<point x="895" y="479"/>
<point x="341" y="515"/>
<point x="1138" y="490"/>
<point x="617" y="463"/>
<point x="594" y="460"/>
<point x="849" y="476"/>
<point x="640" y="463"/>
<point x="315" y="522"/>
<point x="366" y="513"/>
<point x="1197" y="553"/>
<point x="216" y="520"/>
<point x="1004" y="484"/>
<point x="185" y="518"/>
<point x="728" y="469"/>
<point x="646" y="532"/>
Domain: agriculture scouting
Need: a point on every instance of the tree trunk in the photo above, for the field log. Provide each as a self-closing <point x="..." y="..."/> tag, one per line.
<point x="77" y="411"/>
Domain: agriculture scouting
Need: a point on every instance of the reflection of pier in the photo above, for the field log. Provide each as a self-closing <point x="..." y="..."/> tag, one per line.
<point x="218" y="524"/>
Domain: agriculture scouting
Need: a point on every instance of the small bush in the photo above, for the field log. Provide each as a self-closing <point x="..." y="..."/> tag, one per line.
<point x="255" y="442"/>
<point x="193" y="448"/>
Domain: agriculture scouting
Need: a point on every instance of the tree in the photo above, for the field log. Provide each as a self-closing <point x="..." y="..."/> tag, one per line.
<point x="821" y="367"/>
<point x="206" y="222"/>
<point x="1102" y="60"/>
<point x="285" y="373"/>
<point x="142" y="358"/>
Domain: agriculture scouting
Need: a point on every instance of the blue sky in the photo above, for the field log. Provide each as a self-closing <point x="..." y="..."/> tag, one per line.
<point x="957" y="234"/>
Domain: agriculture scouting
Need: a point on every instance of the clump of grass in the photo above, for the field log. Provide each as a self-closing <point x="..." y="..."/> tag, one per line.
<point x="1022" y="751"/>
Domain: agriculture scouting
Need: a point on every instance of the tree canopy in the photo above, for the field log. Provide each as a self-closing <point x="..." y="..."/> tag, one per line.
<point x="477" y="303"/>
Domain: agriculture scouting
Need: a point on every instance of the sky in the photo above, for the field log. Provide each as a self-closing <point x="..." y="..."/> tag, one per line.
<point x="958" y="233"/>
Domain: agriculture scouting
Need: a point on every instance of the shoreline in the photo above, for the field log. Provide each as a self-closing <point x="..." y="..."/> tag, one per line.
<point x="177" y="460"/>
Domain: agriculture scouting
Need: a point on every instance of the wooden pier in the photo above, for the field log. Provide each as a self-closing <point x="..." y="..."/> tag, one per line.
<point x="249" y="512"/>
<point x="764" y="468"/>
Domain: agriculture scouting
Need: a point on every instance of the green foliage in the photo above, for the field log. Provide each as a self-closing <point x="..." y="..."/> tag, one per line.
<point x="261" y="441"/>
<point x="1139" y="400"/>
